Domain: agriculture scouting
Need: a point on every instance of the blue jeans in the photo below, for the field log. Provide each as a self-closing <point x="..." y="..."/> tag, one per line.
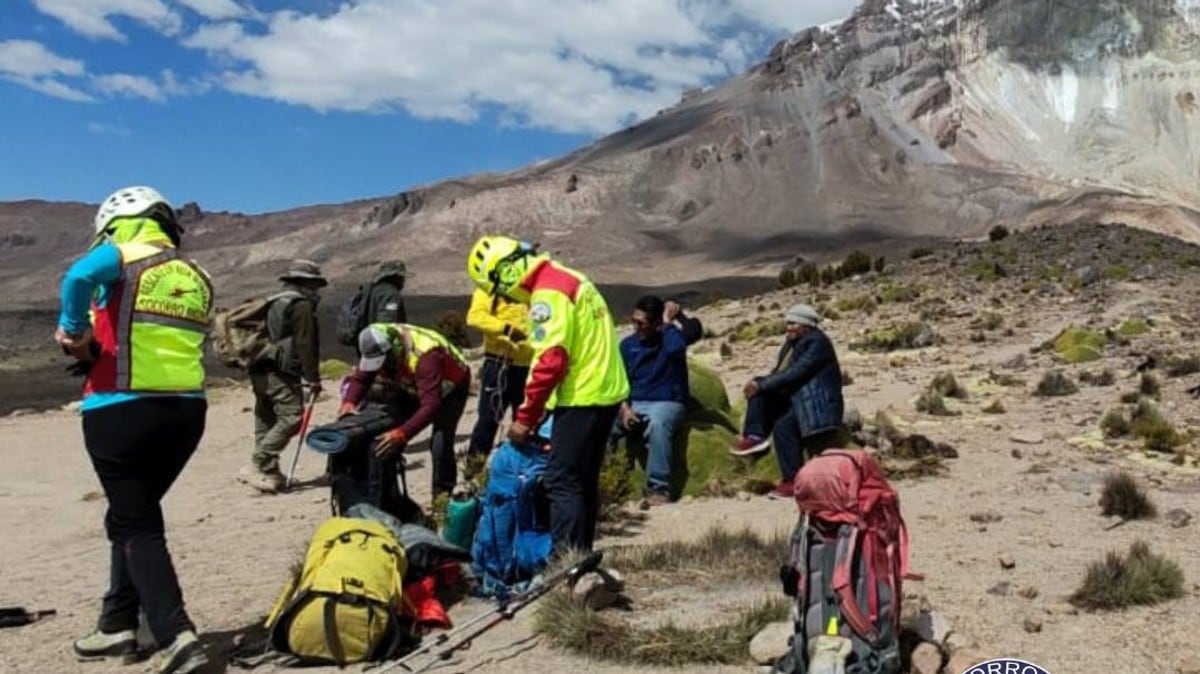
<point x="664" y="418"/>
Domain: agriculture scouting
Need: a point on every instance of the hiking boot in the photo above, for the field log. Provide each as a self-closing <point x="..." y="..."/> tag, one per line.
<point x="185" y="654"/>
<point x="783" y="490"/>
<point x="103" y="645"/>
<point x="750" y="444"/>
<point x="656" y="498"/>
<point x="268" y="482"/>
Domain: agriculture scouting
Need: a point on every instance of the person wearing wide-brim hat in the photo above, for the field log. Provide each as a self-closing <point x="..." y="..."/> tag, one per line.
<point x="385" y="304"/>
<point x="280" y="381"/>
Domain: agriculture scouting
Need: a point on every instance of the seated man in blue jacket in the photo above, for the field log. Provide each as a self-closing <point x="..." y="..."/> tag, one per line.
<point x="656" y="363"/>
<point x="800" y="401"/>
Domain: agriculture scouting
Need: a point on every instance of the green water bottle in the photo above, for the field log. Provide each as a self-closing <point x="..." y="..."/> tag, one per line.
<point x="461" y="512"/>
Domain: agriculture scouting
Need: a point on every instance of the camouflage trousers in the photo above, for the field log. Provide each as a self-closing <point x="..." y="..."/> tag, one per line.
<point x="278" y="409"/>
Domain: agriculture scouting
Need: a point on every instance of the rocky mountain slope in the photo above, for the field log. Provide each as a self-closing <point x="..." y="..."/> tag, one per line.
<point x="911" y="118"/>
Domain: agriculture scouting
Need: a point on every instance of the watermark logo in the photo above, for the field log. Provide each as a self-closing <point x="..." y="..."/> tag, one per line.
<point x="1005" y="666"/>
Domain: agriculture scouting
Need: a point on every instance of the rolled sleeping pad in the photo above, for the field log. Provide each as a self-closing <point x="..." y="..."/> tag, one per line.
<point x="336" y="437"/>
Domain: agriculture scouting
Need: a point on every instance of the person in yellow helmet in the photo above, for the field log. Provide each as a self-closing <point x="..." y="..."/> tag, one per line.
<point x="506" y="359"/>
<point x="135" y="315"/>
<point x="576" y="361"/>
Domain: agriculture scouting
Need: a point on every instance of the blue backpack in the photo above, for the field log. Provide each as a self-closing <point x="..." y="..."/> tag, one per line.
<point x="512" y="538"/>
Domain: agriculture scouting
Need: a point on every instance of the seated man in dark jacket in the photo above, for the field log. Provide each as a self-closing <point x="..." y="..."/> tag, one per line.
<point x="655" y="359"/>
<point x="800" y="402"/>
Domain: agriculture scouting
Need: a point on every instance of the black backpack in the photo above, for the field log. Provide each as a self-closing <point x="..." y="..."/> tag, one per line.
<point x="352" y="317"/>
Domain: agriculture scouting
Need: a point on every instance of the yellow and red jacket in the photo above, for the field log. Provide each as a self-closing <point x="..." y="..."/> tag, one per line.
<point x="577" y="357"/>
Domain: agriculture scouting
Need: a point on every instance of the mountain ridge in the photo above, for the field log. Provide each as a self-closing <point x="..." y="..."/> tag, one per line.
<point x="905" y="120"/>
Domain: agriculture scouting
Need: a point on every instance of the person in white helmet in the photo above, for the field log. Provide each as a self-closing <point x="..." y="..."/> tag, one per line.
<point x="135" y="315"/>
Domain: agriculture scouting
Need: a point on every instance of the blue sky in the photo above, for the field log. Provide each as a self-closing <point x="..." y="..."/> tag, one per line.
<point x="262" y="105"/>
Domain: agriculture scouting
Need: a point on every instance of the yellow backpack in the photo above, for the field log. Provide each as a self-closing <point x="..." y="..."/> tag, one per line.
<point x="344" y="606"/>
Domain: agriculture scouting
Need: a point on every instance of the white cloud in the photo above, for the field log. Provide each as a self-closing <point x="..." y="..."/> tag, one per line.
<point x="215" y="9"/>
<point x="33" y="66"/>
<point x="57" y="89"/>
<point x="131" y="86"/>
<point x="105" y="129"/>
<point x="26" y="58"/>
<point x="567" y="65"/>
<point x="91" y="17"/>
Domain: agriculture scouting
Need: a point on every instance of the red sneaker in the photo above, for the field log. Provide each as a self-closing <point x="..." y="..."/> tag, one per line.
<point x="782" y="490"/>
<point x="750" y="444"/>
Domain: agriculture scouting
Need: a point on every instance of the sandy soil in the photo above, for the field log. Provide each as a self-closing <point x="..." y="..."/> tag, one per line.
<point x="233" y="548"/>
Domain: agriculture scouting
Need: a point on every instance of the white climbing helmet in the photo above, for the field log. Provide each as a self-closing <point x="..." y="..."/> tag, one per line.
<point x="128" y="202"/>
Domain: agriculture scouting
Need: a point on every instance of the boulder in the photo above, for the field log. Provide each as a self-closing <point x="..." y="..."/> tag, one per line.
<point x="771" y="643"/>
<point x="926" y="659"/>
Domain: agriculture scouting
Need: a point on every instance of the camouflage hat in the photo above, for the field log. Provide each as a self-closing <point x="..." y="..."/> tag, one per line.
<point x="392" y="268"/>
<point x="304" y="270"/>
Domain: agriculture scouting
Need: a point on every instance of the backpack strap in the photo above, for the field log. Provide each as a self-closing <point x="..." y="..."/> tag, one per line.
<point x="847" y="544"/>
<point x="332" y="640"/>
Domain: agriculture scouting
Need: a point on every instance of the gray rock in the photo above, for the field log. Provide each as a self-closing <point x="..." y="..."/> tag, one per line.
<point x="1177" y="517"/>
<point x="932" y="626"/>
<point x="771" y="643"/>
<point x="1027" y="437"/>
<point x="1032" y="624"/>
<point x="986" y="516"/>
<point x="1001" y="589"/>
<point x="852" y="419"/>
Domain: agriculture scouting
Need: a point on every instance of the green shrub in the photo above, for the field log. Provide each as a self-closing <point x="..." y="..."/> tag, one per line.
<point x="909" y="335"/>
<point x="930" y="402"/>
<point x="1114" y="424"/>
<point x="1055" y="383"/>
<point x="998" y="233"/>
<point x="945" y="384"/>
<point x="857" y="262"/>
<point x="986" y="271"/>
<point x="1182" y="366"/>
<point x="863" y="303"/>
<point x="1133" y="327"/>
<point x="1079" y="345"/>
<point x="1116" y="272"/>
<point x="1149" y="386"/>
<point x="1139" y="578"/>
<point x="1105" y="377"/>
<point x="899" y="294"/>
<point x="766" y="327"/>
<point x="989" y="321"/>
<point x="1123" y="497"/>
<point x="919" y="252"/>
<point x="1155" y="431"/>
<point x="333" y="369"/>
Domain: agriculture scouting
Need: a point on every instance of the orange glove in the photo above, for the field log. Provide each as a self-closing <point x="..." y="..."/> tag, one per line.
<point x="346" y="409"/>
<point x="390" y="443"/>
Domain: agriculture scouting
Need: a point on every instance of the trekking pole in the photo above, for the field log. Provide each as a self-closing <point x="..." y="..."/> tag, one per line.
<point x="312" y="402"/>
<point x="504" y="611"/>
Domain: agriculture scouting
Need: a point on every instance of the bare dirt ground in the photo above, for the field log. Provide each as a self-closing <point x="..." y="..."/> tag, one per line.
<point x="233" y="548"/>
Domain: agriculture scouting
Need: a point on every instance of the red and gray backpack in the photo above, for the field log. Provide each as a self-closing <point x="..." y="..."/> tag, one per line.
<point x="849" y="555"/>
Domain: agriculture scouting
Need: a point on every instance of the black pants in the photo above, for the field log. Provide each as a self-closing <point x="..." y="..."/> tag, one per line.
<point x="441" y="443"/>
<point x="572" y="475"/>
<point x="497" y="394"/>
<point x="138" y="448"/>
<point x="377" y="478"/>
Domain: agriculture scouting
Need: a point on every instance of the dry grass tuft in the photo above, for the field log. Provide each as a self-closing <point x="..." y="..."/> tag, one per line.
<point x="1139" y="578"/>
<point x="569" y="624"/>
<point x="1123" y="497"/>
